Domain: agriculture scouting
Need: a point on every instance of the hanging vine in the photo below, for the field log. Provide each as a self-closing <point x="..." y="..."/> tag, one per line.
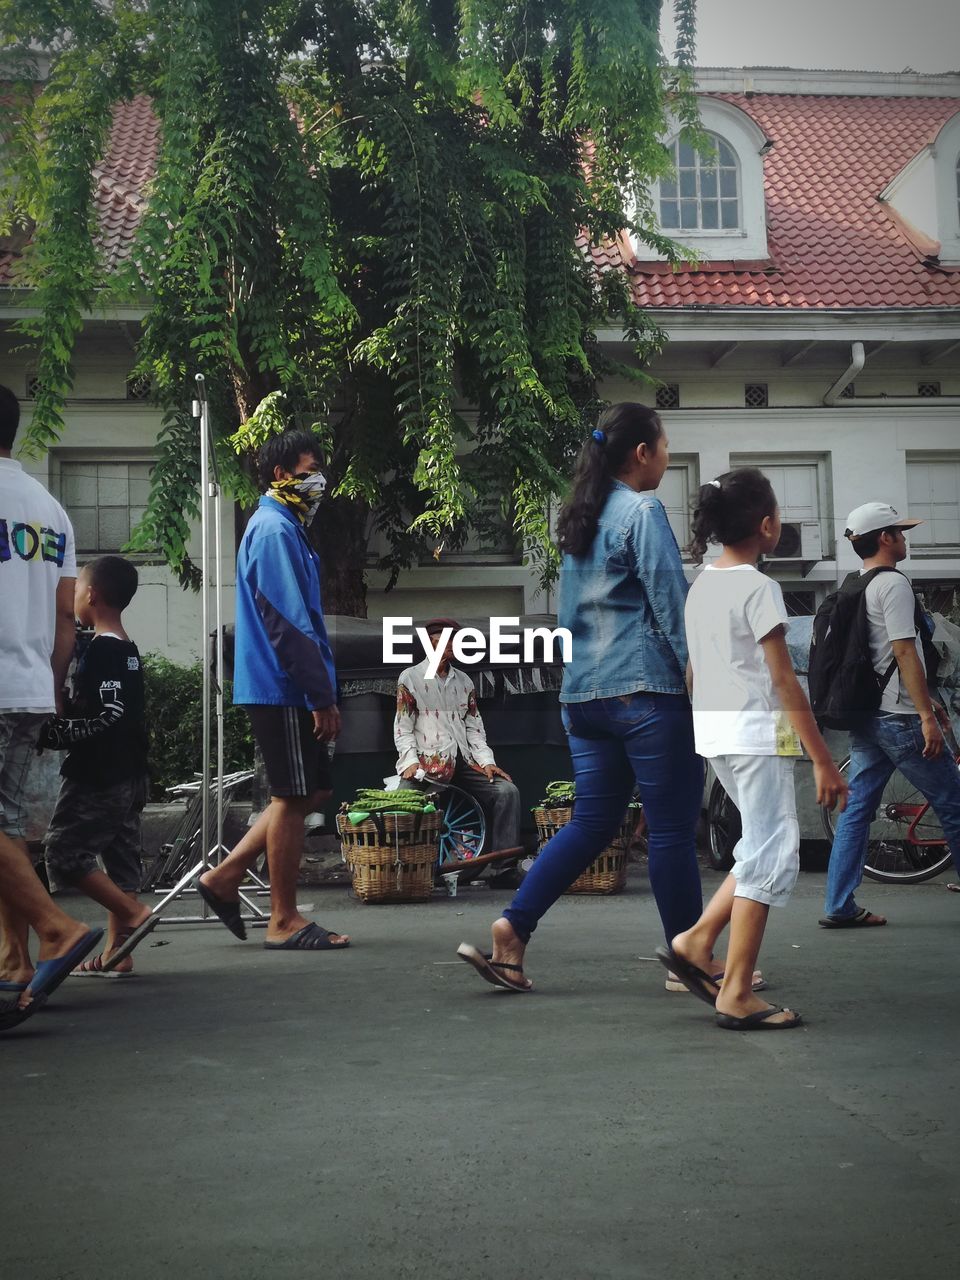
<point x="364" y="217"/>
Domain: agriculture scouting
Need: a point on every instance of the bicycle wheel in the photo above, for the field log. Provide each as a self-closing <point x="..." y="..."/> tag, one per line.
<point x="896" y="848"/>
<point x="462" y="829"/>
<point x="723" y="828"/>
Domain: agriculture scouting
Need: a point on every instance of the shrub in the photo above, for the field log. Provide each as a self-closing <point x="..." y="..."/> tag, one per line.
<point x="175" y="724"/>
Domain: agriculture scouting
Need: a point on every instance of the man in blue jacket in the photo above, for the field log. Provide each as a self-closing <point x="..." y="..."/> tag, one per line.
<point x="284" y="676"/>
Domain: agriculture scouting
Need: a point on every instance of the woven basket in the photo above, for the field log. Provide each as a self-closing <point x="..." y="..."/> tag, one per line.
<point x="392" y="855"/>
<point x="608" y="872"/>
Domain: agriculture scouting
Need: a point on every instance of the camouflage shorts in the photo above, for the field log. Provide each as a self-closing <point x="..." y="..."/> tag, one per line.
<point x="91" y="821"/>
<point x="19" y="731"/>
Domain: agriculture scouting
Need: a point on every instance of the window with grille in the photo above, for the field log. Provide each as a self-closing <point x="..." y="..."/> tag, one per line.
<point x="138" y="388"/>
<point x="933" y="496"/>
<point x="705" y="195"/>
<point x="105" y="501"/>
<point x="927" y="389"/>
<point x="755" y="395"/>
<point x="668" y="396"/>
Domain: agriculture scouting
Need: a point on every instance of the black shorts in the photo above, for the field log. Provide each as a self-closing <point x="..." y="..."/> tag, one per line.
<point x="296" y="763"/>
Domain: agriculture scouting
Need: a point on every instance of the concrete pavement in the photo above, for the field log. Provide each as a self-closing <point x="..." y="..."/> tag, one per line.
<point x="382" y="1113"/>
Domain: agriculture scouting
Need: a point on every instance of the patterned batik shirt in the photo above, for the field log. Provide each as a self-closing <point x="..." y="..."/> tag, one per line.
<point x="435" y="720"/>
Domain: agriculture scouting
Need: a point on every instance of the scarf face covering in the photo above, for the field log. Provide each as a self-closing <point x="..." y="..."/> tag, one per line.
<point x="302" y="497"/>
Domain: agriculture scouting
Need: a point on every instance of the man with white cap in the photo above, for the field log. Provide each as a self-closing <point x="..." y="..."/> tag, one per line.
<point x="905" y="733"/>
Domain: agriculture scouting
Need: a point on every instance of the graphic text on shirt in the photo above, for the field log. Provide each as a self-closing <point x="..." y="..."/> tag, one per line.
<point x="31" y="542"/>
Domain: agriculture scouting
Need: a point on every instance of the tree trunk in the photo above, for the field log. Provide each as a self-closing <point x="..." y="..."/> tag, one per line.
<point x="339" y="533"/>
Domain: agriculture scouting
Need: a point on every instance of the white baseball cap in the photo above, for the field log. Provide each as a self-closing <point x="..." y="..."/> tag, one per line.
<point x="875" y="515"/>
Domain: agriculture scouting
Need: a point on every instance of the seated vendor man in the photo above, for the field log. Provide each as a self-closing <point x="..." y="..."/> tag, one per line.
<point x="438" y="729"/>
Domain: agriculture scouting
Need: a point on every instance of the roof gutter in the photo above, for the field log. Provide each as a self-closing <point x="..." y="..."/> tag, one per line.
<point x="857" y="361"/>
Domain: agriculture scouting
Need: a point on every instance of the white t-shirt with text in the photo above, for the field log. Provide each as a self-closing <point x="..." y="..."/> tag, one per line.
<point x="735" y="708"/>
<point x="36" y="550"/>
<point x="890" y="605"/>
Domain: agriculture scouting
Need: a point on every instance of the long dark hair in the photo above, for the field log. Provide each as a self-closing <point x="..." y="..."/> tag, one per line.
<point x="731" y="508"/>
<point x="624" y="427"/>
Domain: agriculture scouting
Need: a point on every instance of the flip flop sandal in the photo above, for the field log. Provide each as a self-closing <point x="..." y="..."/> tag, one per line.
<point x="864" y="919"/>
<point x="312" y="937"/>
<point x="127" y="942"/>
<point x="758" y="1021"/>
<point x="11" y="1016"/>
<point x="228" y="912"/>
<point x="674" y="984"/>
<point x="95" y="969"/>
<point x="487" y="968"/>
<point x="697" y="982"/>
<point x="50" y="973"/>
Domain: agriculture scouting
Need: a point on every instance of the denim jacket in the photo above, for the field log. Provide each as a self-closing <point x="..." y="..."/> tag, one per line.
<point x="623" y="604"/>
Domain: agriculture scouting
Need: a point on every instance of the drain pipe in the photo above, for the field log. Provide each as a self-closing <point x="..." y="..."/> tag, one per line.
<point x="857" y="361"/>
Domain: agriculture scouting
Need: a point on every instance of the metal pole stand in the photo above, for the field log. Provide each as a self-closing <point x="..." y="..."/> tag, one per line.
<point x="211" y="565"/>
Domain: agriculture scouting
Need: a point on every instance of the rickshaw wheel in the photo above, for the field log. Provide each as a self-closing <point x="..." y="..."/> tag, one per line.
<point x="462" y="830"/>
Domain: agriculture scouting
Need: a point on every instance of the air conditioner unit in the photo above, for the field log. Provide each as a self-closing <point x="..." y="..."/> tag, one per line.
<point x="799" y="540"/>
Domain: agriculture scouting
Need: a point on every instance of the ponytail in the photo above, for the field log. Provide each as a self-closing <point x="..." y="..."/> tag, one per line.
<point x="731" y="508"/>
<point x="621" y="430"/>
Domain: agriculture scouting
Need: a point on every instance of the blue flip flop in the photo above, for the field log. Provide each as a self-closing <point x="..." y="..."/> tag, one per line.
<point x="50" y="973"/>
<point x="13" y="986"/>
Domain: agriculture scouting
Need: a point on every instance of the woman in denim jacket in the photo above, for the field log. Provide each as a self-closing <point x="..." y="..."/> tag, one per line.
<point x="625" y="704"/>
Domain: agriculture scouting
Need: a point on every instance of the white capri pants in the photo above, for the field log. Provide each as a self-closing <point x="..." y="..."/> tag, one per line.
<point x="767" y="856"/>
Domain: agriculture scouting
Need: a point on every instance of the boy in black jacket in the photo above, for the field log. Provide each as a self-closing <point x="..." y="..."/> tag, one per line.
<point x="104" y="784"/>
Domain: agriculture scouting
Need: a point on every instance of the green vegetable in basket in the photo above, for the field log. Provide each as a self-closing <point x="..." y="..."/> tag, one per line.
<point x="370" y="800"/>
<point x="558" y="795"/>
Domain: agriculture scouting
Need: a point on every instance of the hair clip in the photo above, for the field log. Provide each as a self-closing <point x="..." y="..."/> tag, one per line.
<point x="715" y="483"/>
<point x="599" y="436"/>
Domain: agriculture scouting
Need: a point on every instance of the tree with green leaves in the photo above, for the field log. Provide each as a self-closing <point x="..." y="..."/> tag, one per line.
<point x="364" y="218"/>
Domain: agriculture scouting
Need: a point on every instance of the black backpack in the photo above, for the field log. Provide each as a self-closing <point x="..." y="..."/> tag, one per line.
<point x="844" y="688"/>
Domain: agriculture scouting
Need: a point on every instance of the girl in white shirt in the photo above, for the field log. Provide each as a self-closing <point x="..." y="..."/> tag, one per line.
<point x="750" y="716"/>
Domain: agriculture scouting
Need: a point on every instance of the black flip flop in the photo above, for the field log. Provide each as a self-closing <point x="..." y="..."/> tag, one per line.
<point x="227" y="912"/>
<point x="758" y="1021"/>
<point x="697" y="982"/>
<point x="859" y="921"/>
<point x="487" y="968"/>
<point x="312" y="937"/>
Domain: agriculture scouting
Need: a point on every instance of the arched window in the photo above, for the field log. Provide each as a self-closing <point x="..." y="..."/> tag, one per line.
<point x="713" y="203"/>
<point x="705" y="195"/>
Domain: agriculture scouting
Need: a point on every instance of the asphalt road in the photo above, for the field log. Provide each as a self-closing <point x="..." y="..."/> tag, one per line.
<point x="382" y="1113"/>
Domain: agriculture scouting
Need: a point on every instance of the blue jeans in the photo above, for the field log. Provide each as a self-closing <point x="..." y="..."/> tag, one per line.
<point x="643" y="740"/>
<point x="877" y="748"/>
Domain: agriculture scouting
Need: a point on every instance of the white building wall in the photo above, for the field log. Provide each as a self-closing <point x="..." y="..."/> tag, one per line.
<point x="102" y="425"/>
<point x="862" y="451"/>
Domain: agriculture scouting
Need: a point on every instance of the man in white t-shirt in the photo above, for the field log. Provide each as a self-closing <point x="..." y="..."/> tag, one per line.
<point x="905" y="733"/>
<point x="37" y="576"/>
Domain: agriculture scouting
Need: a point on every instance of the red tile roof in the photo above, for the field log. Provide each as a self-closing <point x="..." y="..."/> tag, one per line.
<point x="120" y="178"/>
<point x="831" y="243"/>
